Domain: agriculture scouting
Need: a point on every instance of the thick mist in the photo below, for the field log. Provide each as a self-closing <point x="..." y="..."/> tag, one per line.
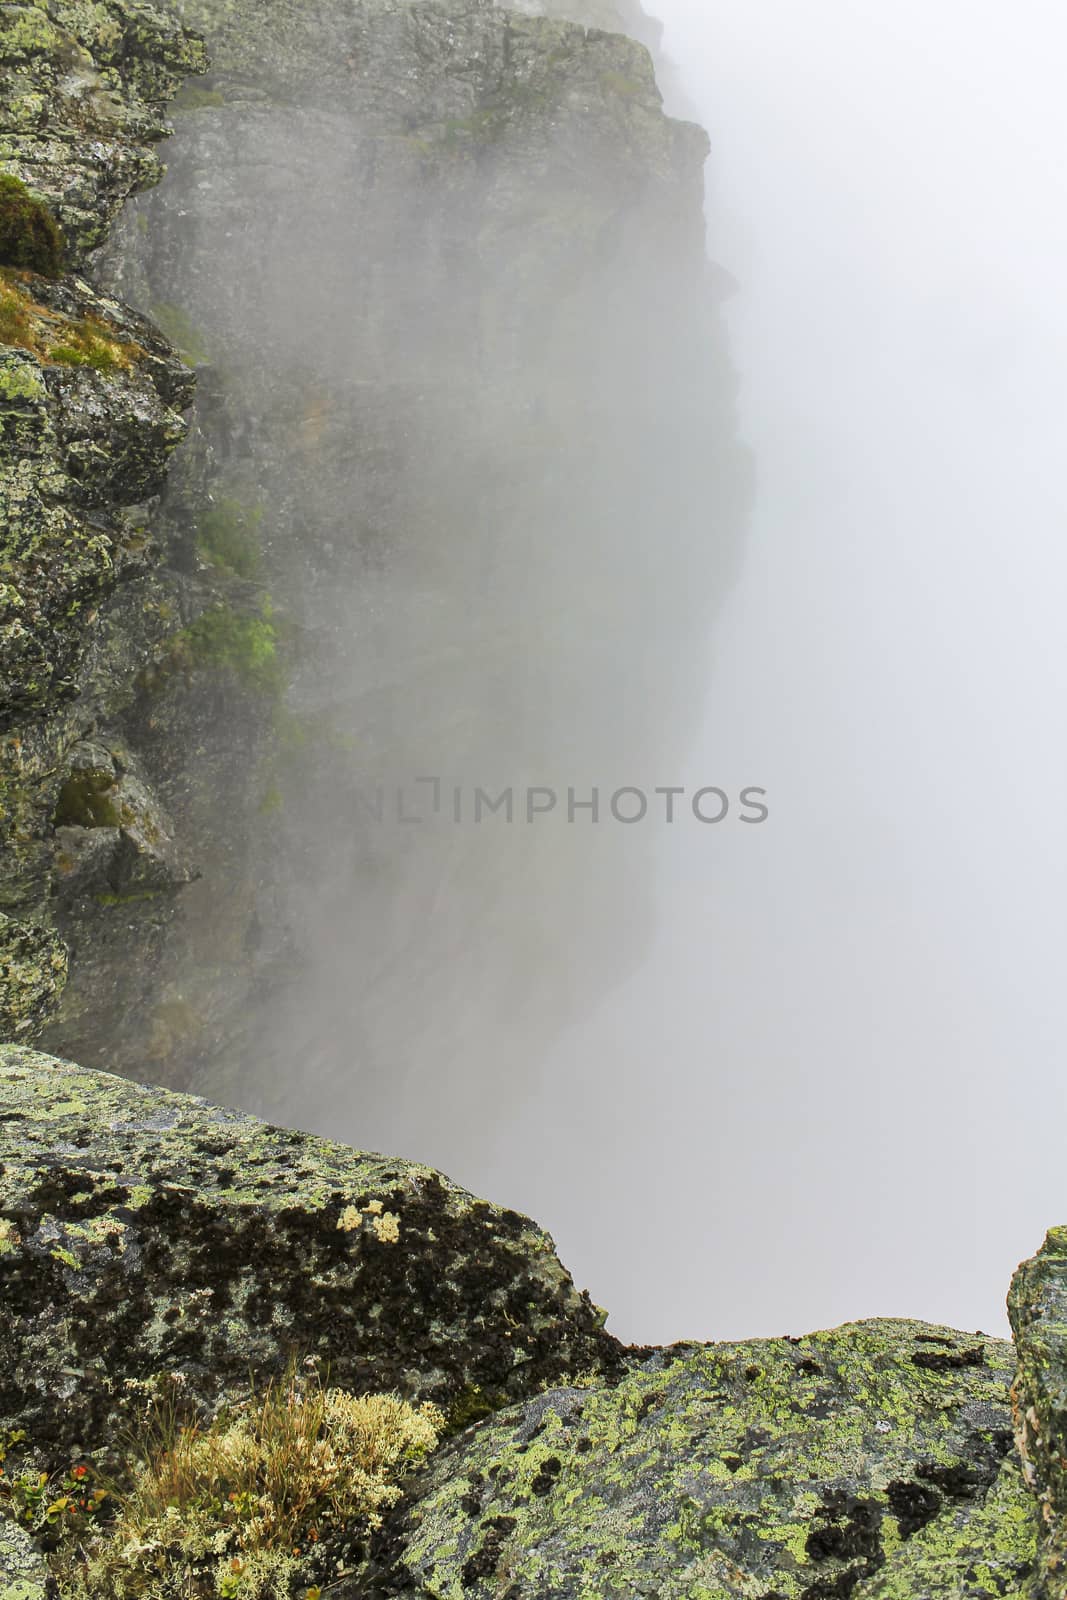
<point x="837" y="1083"/>
<point x="539" y="507"/>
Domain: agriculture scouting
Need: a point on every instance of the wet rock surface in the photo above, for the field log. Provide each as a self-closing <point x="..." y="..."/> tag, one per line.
<point x="872" y="1460"/>
<point x="1037" y="1306"/>
<point x="144" y="1232"/>
<point x="92" y="399"/>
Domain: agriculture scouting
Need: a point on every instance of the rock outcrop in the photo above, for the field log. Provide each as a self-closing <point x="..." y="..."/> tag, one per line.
<point x="871" y="1461"/>
<point x="143" y="1232"/>
<point x="1037" y="1305"/>
<point x="461" y="376"/>
<point x="92" y="398"/>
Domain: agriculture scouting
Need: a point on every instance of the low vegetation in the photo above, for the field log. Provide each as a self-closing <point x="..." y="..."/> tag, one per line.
<point x="273" y="1500"/>
<point x="242" y="643"/>
<point x="55" y="339"/>
<point x="29" y="234"/>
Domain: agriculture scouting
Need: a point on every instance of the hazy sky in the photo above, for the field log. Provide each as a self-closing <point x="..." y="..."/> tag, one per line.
<point x="838" y="1087"/>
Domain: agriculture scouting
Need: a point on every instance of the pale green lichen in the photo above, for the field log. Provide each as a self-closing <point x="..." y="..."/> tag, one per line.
<point x="161" y="1231"/>
<point x="800" y="1468"/>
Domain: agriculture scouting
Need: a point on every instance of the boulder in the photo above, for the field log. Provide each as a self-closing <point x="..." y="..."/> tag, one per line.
<point x="144" y="1232"/>
<point x="874" y="1460"/>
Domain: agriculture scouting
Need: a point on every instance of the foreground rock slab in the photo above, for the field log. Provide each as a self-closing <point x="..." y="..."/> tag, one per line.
<point x="875" y="1460"/>
<point x="143" y="1231"/>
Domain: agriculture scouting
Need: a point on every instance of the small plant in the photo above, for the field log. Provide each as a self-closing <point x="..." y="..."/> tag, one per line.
<point x="54" y="1507"/>
<point x="88" y="343"/>
<point x="271" y="1501"/>
<point x="229" y="536"/>
<point x="55" y="339"/>
<point x="246" y="645"/>
<point x="29" y="234"/>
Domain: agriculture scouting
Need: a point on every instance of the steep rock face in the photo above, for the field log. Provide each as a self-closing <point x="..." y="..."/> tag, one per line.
<point x="91" y="403"/>
<point x="144" y="1232"/>
<point x="464" y="406"/>
<point x="1037" y="1306"/>
<point x="847" y="1463"/>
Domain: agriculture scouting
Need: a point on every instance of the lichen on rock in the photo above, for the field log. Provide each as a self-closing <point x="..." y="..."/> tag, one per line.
<point x="24" y="1573"/>
<point x="33" y="969"/>
<point x="91" y="406"/>
<point x="158" y="1233"/>
<point x="845" y="1463"/>
<point x="1037" y="1305"/>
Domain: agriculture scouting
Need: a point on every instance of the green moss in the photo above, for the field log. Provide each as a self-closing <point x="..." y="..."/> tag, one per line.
<point x="85" y="801"/>
<point x="229" y="537"/>
<point x="57" y="340"/>
<point x="29" y="234"/>
<point x="234" y="641"/>
<point x="90" y="343"/>
<point x="472" y="1406"/>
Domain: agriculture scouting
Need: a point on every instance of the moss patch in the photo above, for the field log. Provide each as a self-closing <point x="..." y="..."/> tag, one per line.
<point x="86" y="801"/>
<point x="29" y="234"/>
<point x="226" y="639"/>
<point x="55" y="339"/>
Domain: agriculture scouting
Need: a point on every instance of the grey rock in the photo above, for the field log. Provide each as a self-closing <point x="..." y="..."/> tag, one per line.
<point x="145" y="1232"/>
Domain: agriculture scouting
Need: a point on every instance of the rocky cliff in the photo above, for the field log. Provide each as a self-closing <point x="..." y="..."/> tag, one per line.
<point x="373" y="558"/>
<point x="92" y="399"/>
<point x="439" y="268"/>
<point x="145" y="1233"/>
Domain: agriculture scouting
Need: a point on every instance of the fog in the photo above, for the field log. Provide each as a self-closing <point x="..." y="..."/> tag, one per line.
<point x="838" y="1080"/>
<point x="755" y="1078"/>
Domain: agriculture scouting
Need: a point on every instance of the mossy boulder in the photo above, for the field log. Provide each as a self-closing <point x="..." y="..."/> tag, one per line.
<point x="143" y="1232"/>
<point x="873" y="1460"/>
<point x="29" y="234"/>
<point x="1037" y="1305"/>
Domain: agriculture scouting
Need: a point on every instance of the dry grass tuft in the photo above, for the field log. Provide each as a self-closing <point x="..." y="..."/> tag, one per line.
<point x="55" y="339"/>
<point x="273" y="1500"/>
